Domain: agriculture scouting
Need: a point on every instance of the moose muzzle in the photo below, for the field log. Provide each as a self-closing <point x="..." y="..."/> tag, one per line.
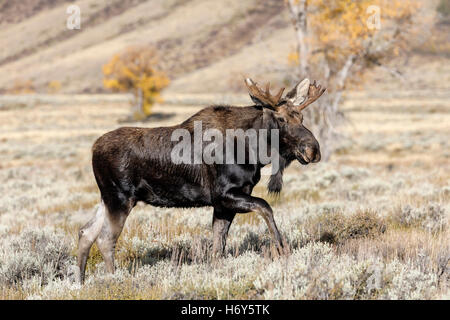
<point x="309" y="154"/>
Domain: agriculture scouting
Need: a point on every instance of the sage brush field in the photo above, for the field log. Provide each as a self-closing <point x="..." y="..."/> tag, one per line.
<point x="372" y="223"/>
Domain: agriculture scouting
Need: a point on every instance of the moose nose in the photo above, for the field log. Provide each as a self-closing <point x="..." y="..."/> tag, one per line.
<point x="312" y="154"/>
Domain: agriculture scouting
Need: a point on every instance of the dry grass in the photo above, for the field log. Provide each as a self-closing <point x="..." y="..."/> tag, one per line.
<point x="372" y="223"/>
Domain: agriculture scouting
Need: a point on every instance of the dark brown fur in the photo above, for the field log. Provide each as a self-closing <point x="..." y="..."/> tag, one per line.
<point x="134" y="164"/>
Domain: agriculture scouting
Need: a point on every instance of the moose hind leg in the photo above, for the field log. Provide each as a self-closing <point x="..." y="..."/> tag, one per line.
<point x="86" y="237"/>
<point x="222" y="220"/>
<point x="112" y="227"/>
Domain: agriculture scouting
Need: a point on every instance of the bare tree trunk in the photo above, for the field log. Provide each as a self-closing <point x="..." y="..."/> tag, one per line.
<point x="330" y="115"/>
<point x="138" y="113"/>
<point x="297" y="9"/>
<point x="340" y="82"/>
<point x="325" y="117"/>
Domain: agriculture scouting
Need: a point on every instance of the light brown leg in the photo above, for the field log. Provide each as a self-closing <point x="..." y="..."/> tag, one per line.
<point x="86" y="237"/>
<point x="107" y="239"/>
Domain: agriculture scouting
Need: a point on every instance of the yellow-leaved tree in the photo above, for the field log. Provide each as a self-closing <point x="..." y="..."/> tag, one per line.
<point x="136" y="70"/>
<point x="337" y="41"/>
<point x="22" y="87"/>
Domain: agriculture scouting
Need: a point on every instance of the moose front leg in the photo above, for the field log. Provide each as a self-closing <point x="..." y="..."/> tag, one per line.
<point x="243" y="203"/>
<point x="222" y="219"/>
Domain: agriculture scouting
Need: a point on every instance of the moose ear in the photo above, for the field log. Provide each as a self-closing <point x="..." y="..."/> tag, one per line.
<point x="300" y="92"/>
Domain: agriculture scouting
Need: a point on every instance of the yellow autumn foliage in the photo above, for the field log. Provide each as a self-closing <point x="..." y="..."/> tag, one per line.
<point x="341" y="25"/>
<point x="21" y="86"/>
<point x="339" y="28"/>
<point x="54" y="86"/>
<point x="136" y="71"/>
<point x="337" y="41"/>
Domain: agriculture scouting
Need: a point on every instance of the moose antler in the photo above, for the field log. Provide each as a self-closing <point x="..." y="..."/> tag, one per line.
<point x="314" y="93"/>
<point x="264" y="97"/>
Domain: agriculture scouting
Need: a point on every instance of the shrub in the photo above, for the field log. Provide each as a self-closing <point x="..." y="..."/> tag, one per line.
<point x="135" y="71"/>
<point x="317" y="272"/>
<point x="34" y="253"/>
<point x="444" y="7"/>
<point x="22" y="87"/>
<point x="54" y="86"/>
<point x="431" y="218"/>
<point x="337" y="227"/>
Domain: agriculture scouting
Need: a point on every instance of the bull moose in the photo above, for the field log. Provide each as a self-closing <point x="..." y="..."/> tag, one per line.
<point x="134" y="164"/>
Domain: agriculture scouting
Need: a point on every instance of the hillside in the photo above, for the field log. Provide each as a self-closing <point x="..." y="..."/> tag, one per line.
<point x="205" y="46"/>
<point x="189" y="34"/>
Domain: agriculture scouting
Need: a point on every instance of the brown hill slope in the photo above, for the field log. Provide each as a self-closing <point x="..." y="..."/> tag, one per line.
<point x="205" y="46"/>
<point x="17" y="11"/>
<point x="189" y="34"/>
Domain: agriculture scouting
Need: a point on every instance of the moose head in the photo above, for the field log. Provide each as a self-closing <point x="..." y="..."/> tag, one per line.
<point x="296" y="141"/>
